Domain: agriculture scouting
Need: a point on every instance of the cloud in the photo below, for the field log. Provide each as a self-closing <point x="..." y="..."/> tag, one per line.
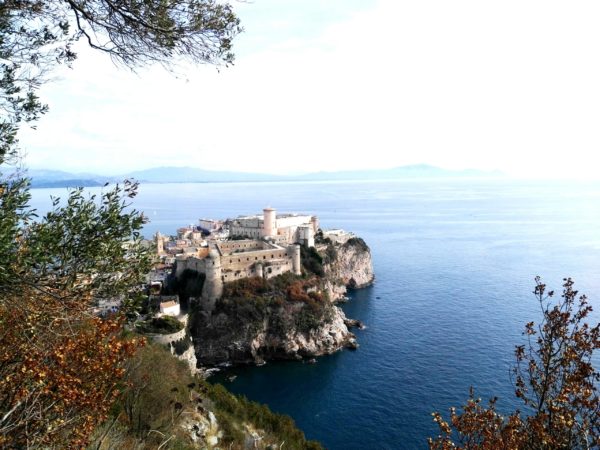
<point x="511" y="85"/>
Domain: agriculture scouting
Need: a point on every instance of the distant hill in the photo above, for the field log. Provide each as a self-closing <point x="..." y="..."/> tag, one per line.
<point x="76" y="182"/>
<point x="57" y="178"/>
<point x="412" y="171"/>
<point x="193" y="175"/>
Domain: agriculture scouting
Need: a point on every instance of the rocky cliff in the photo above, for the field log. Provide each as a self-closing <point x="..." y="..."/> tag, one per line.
<point x="286" y="317"/>
<point x="346" y="265"/>
<point x="276" y="332"/>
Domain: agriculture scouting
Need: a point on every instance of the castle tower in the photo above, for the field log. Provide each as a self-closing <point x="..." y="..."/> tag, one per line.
<point x="160" y="244"/>
<point x="260" y="271"/>
<point x="213" y="285"/>
<point x="294" y="251"/>
<point x="269" y="222"/>
<point x="314" y="220"/>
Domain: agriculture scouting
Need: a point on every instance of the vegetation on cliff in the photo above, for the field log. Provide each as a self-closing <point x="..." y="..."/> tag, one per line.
<point x="172" y="408"/>
<point x="287" y="302"/>
<point x="160" y="325"/>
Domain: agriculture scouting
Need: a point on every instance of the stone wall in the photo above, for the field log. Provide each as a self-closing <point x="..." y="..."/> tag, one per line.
<point x="243" y="261"/>
<point x="228" y="247"/>
<point x="166" y="339"/>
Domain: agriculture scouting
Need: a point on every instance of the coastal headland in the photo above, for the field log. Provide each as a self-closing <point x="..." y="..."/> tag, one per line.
<point x="259" y="288"/>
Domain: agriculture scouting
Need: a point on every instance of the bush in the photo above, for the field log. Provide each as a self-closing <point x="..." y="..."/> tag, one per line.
<point x="160" y="325"/>
<point x="181" y="346"/>
<point x="312" y="262"/>
<point x="554" y="377"/>
<point x="232" y="409"/>
<point x="358" y="243"/>
<point x="155" y="400"/>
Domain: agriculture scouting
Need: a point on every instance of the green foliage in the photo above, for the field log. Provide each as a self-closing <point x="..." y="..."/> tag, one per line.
<point x="181" y="345"/>
<point x="287" y="301"/>
<point x="52" y="270"/>
<point x="158" y="399"/>
<point x="331" y="253"/>
<point x="358" y="243"/>
<point x="233" y="409"/>
<point x="311" y="261"/>
<point x="158" y="384"/>
<point x="160" y="325"/>
<point x="321" y="239"/>
<point x="88" y="245"/>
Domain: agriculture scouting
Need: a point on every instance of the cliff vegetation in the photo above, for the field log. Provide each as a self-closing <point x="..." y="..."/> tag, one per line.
<point x="258" y="319"/>
<point x="168" y="408"/>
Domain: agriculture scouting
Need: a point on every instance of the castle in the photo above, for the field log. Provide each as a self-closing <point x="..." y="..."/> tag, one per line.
<point x="263" y="245"/>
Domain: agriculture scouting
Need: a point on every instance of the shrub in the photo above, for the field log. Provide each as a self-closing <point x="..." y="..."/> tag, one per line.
<point x="181" y="345"/>
<point x="554" y="377"/>
<point x="312" y="262"/>
<point x="358" y="243"/>
<point x="160" y="325"/>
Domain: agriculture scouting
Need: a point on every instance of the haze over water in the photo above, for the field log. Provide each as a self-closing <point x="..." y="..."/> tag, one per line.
<point x="454" y="263"/>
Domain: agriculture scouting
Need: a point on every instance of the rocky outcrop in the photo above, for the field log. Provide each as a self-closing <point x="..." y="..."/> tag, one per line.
<point x="290" y="332"/>
<point x="287" y="318"/>
<point x="347" y="266"/>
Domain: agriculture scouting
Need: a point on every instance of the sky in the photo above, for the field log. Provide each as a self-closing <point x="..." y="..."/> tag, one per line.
<point x="348" y="84"/>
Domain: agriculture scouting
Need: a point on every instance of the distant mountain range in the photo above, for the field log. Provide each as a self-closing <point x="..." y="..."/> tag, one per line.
<point x="57" y="178"/>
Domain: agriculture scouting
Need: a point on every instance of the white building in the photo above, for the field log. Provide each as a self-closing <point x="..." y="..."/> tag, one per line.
<point x="283" y="228"/>
<point x="170" y="308"/>
<point x="210" y="224"/>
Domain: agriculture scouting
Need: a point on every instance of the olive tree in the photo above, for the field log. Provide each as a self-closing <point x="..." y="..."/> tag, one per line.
<point x="62" y="366"/>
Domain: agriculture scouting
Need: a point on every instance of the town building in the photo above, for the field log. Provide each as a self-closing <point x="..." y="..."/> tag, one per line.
<point x="170" y="308"/>
<point x="282" y="229"/>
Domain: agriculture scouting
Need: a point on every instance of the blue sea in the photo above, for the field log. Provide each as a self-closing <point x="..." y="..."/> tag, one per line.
<point x="455" y="262"/>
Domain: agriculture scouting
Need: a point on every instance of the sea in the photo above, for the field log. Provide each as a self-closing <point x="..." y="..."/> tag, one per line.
<point x="455" y="262"/>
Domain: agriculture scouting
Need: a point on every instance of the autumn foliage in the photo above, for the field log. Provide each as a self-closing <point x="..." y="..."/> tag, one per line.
<point x="555" y="378"/>
<point x="61" y="364"/>
<point x="60" y="370"/>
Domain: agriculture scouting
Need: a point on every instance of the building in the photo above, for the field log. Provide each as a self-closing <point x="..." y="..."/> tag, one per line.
<point x="283" y="229"/>
<point x="170" y="308"/>
<point x="263" y="246"/>
<point x="210" y="225"/>
<point x="233" y="260"/>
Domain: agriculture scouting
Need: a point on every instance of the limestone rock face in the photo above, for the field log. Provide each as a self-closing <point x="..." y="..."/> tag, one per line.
<point x="224" y="338"/>
<point x="348" y="266"/>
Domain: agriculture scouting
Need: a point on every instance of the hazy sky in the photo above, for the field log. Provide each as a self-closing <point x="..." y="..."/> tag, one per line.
<point x="347" y="84"/>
